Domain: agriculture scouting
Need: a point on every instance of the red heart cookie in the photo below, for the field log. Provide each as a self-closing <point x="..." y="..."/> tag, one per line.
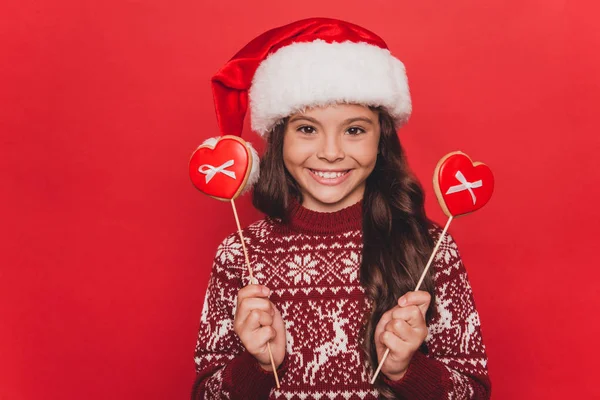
<point x="221" y="171"/>
<point x="462" y="186"/>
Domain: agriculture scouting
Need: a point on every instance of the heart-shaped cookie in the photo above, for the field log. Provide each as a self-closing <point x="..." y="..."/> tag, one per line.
<point x="462" y="186"/>
<point x="221" y="169"/>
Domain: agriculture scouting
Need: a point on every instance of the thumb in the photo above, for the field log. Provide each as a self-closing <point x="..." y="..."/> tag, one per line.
<point x="419" y="298"/>
<point x="278" y="325"/>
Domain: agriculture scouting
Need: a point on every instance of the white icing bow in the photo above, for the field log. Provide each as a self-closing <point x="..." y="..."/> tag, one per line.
<point x="210" y="171"/>
<point x="465" y="185"/>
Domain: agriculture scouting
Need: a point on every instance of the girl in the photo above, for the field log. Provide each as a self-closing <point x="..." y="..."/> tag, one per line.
<point x="344" y="242"/>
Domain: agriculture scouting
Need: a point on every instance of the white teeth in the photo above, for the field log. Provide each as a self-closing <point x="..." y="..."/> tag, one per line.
<point x="329" y="175"/>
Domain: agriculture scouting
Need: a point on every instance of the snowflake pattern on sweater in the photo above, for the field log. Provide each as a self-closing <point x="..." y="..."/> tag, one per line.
<point x="315" y="284"/>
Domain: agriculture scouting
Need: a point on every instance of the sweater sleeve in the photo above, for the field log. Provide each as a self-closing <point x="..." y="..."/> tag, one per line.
<point x="455" y="366"/>
<point x="224" y="369"/>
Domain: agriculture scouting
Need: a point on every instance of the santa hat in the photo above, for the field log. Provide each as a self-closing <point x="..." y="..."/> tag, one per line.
<point x="311" y="62"/>
<point x="307" y="63"/>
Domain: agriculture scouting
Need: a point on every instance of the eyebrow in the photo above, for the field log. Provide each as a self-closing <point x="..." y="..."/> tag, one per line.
<point x="346" y="121"/>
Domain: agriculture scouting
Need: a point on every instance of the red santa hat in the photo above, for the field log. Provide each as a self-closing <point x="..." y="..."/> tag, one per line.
<point x="307" y="63"/>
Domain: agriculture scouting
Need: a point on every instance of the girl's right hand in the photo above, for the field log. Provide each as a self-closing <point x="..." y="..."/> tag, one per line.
<point x="257" y="321"/>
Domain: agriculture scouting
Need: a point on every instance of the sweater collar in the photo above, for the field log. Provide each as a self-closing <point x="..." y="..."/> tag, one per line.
<point x="302" y="219"/>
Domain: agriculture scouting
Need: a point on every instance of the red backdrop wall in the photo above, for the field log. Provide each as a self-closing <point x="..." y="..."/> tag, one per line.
<point x="106" y="247"/>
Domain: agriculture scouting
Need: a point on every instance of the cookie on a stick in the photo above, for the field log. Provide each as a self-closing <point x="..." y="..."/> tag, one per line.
<point x="461" y="187"/>
<point x="225" y="168"/>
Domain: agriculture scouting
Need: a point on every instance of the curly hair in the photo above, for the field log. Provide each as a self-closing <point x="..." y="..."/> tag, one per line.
<point x="396" y="239"/>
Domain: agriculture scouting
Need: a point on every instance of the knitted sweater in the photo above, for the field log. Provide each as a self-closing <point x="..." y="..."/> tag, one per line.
<point x="311" y="265"/>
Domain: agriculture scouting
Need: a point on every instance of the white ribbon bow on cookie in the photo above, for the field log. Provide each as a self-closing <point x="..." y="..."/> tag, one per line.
<point x="210" y="171"/>
<point x="465" y="185"/>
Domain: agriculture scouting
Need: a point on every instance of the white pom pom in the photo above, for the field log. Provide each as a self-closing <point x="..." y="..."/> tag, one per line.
<point x="210" y="142"/>
<point x="254" y="169"/>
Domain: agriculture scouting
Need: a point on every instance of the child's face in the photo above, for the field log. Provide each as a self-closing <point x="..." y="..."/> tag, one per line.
<point x="330" y="151"/>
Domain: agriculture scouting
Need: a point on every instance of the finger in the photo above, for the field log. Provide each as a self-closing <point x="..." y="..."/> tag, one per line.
<point x="264" y="335"/>
<point x="402" y="329"/>
<point x="252" y="291"/>
<point x="257" y="318"/>
<point x="279" y="327"/>
<point x="385" y="318"/>
<point x="277" y="318"/>
<point x="253" y="303"/>
<point x="419" y="298"/>
<point x="391" y="341"/>
<point x="410" y="314"/>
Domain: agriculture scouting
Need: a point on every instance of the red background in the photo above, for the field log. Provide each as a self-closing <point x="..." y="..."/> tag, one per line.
<point x="106" y="246"/>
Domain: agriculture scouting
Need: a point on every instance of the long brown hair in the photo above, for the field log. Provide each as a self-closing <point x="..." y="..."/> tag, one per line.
<point x="396" y="239"/>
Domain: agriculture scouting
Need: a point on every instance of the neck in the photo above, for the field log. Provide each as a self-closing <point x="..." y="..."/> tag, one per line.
<point x="303" y="219"/>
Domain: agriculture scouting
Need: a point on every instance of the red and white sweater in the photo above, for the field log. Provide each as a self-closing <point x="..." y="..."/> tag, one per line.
<point x="311" y="266"/>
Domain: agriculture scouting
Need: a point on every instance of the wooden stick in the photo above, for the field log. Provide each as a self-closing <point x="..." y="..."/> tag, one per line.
<point x="435" y="249"/>
<point x="237" y="221"/>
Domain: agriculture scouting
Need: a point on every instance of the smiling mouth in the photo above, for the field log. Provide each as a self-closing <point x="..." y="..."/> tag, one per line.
<point x="329" y="174"/>
<point x="329" y="178"/>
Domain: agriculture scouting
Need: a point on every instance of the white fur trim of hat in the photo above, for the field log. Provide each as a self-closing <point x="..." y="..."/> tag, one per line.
<point x="310" y="74"/>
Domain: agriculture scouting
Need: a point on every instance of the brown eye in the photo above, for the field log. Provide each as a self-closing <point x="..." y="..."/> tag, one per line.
<point x="355" y="131"/>
<point x="306" y="129"/>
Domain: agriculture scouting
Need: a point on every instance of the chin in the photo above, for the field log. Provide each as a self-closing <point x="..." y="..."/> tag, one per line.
<point x="334" y="197"/>
<point x="327" y="195"/>
<point x="329" y="199"/>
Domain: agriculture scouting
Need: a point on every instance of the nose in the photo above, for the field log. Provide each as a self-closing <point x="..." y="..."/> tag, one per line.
<point x="331" y="148"/>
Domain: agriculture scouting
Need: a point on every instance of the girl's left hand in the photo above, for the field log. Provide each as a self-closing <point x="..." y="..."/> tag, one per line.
<point x="402" y="330"/>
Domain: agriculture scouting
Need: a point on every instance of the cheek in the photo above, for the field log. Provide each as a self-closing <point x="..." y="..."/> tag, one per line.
<point x="366" y="153"/>
<point x="295" y="152"/>
<point x="288" y="154"/>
